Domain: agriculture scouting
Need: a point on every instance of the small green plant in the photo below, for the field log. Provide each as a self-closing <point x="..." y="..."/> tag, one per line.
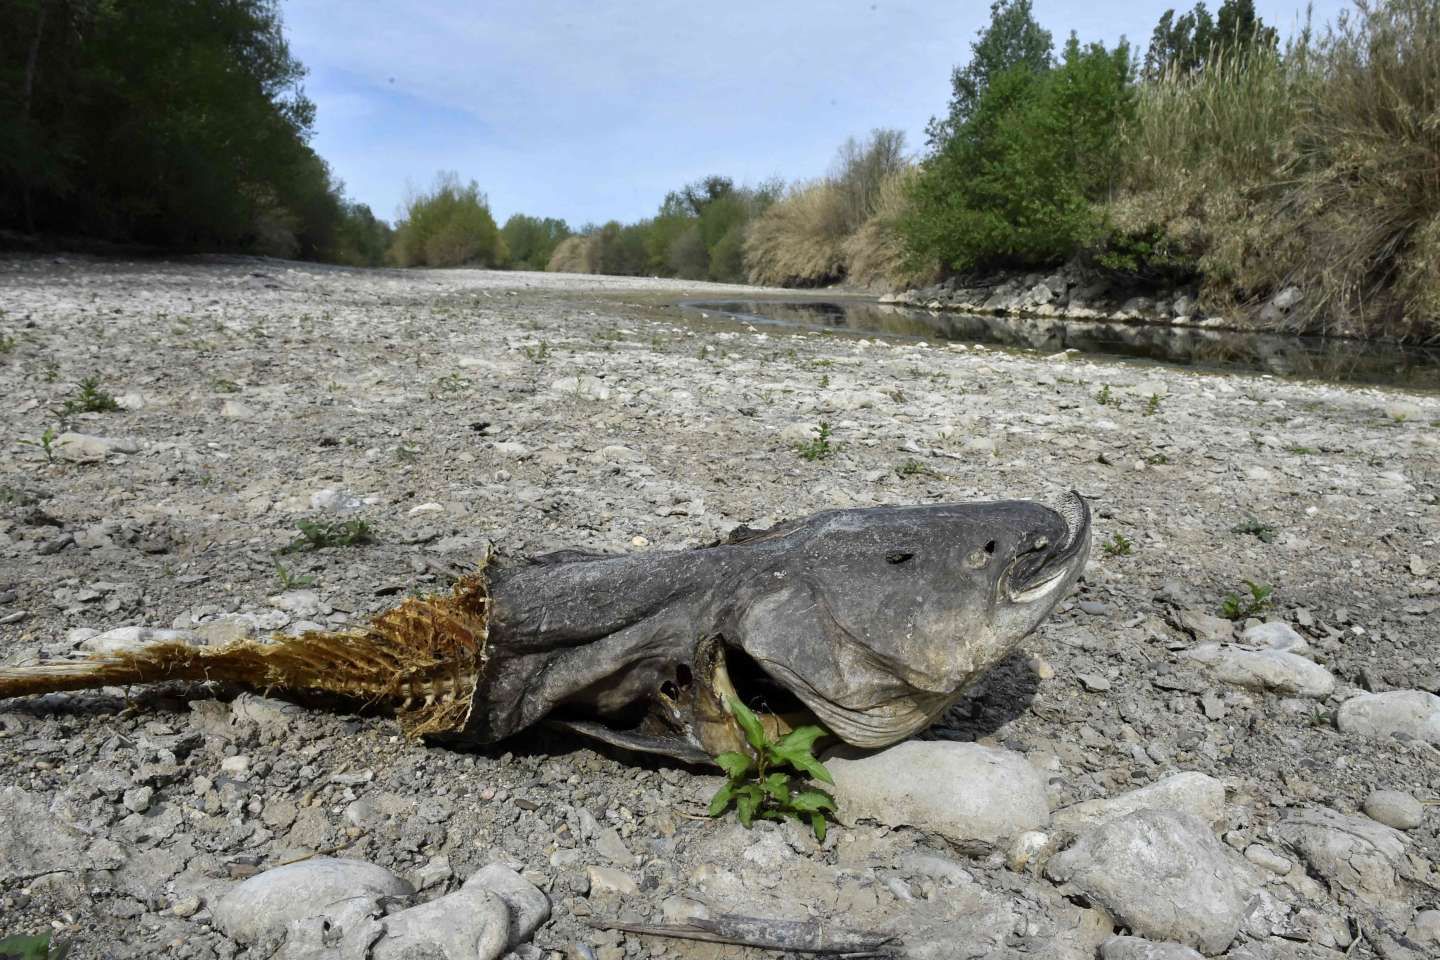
<point x="1118" y="545"/>
<point x="538" y="353"/>
<point x="7" y="343"/>
<point x="1263" y="532"/>
<point x="824" y="381"/>
<point x="335" y="533"/>
<point x="1237" y="607"/>
<point x="289" y="580"/>
<point x="914" y="468"/>
<point x="819" y="447"/>
<point x="452" y="383"/>
<point x="1157" y="459"/>
<point x="32" y="948"/>
<point x="221" y="385"/>
<point x="90" y="398"/>
<point x="1104" y="399"/>
<point x="1152" y="406"/>
<point x="769" y="785"/>
<point x="1300" y="451"/>
<point x="46" y="442"/>
<point x="50" y="372"/>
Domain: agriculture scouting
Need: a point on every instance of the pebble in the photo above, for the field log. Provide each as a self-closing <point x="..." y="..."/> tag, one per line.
<point x="1161" y="873"/>
<point x="1094" y="682"/>
<point x="1136" y="948"/>
<point x="264" y="905"/>
<point x="1277" y="671"/>
<point x="1394" y="808"/>
<point x="1355" y="854"/>
<point x="1414" y="714"/>
<point x="137" y="799"/>
<point x="962" y="791"/>
<point x="1191" y="792"/>
<point x="610" y="880"/>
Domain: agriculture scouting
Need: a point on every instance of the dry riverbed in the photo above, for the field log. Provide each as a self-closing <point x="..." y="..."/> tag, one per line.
<point x="1294" y="754"/>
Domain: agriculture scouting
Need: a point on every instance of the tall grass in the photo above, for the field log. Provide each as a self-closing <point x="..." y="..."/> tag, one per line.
<point x="1316" y="166"/>
<point x="875" y="254"/>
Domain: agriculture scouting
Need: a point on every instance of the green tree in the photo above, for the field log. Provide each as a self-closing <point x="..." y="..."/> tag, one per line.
<point x="1019" y="182"/>
<point x="174" y="122"/>
<point x="531" y="241"/>
<point x="1185" y="43"/>
<point x="1013" y="38"/>
<point x="448" y="226"/>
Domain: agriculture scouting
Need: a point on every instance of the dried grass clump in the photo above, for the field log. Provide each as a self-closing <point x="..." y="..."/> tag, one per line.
<point x="573" y="255"/>
<point x="800" y="240"/>
<point x="876" y="255"/>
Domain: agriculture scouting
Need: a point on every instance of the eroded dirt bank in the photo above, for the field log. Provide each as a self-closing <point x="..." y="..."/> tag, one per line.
<point x="449" y="409"/>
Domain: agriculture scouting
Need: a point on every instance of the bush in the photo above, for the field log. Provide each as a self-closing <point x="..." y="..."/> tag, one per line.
<point x="1018" y="182"/>
<point x="447" y="227"/>
<point x="572" y="255"/>
<point x="531" y="241"/>
<point x="799" y="242"/>
<point x="875" y="255"/>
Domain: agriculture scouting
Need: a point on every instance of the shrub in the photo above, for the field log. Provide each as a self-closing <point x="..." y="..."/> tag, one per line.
<point x="447" y="227"/>
<point x="531" y="241"/>
<point x="875" y="255"/>
<point x="572" y="255"/>
<point x="799" y="242"/>
<point x="1017" y="183"/>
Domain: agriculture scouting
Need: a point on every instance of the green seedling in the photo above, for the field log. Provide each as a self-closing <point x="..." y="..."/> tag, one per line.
<point x="1118" y="545"/>
<point x="1157" y="459"/>
<point x="1103" y="397"/>
<point x="342" y="533"/>
<point x="1237" y="607"/>
<point x="914" y="468"/>
<point x="32" y="948"/>
<point x="539" y="353"/>
<point x="90" y="398"/>
<point x="1301" y="451"/>
<point x="46" y="443"/>
<point x="1152" y="407"/>
<point x="7" y="343"/>
<point x="819" y="447"/>
<point x="1261" y="531"/>
<point x="824" y="381"/>
<point x="769" y="783"/>
<point x="289" y="580"/>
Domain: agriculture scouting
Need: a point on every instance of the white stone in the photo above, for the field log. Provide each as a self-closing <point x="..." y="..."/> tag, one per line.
<point x="1162" y="874"/>
<point x="129" y="639"/>
<point x="962" y="791"/>
<point x="588" y="387"/>
<point x="1394" y="808"/>
<point x="1413" y="713"/>
<point x="610" y="880"/>
<point x="1355" y="854"/>
<point x="1276" y="635"/>
<point x="470" y="924"/>
<point x="235" y="410"/>
<point x="1137" y="948"/>
<point x="264" y="905"/>
<point x="1275" y="670"/>
<point x="1189" y="792"/>
<point x="84" y="448"/>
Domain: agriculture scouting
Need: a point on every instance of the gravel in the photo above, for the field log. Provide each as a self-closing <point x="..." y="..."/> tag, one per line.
<point x="450" y="410"/>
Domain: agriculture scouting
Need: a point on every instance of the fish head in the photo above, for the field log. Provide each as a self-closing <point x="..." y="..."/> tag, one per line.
<point x="876" y="620"/>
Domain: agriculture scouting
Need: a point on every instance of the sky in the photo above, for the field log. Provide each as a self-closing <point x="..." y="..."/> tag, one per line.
<point x="591" y="110"/>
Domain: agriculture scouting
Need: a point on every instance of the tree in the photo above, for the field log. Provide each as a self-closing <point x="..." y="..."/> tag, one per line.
<point x="1012" y="39"/>
<point x="448" y="226"/>
<point x="531" y="241"/>
<point x="1187" y="42"/>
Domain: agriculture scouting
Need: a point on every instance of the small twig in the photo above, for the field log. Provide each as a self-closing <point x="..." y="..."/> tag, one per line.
<point x="796" y="936"/>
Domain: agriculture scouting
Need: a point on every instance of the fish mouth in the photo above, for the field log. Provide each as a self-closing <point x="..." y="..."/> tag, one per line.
<point x="1043" y="571"/>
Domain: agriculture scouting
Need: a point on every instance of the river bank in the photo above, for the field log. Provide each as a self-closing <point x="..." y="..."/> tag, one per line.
<point x="450" y="410"/>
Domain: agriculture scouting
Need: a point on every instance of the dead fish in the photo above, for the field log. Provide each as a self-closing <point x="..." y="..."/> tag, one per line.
<point x="871" y="622"/>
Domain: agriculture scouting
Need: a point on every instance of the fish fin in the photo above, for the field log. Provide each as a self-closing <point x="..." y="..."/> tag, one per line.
<point x="422" y="659"/>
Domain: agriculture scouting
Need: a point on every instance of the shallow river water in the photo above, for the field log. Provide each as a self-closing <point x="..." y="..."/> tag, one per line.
<point x="1321" y="358"/>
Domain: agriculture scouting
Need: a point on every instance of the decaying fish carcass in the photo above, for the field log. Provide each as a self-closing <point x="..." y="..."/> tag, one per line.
<point x="870" y="621"/>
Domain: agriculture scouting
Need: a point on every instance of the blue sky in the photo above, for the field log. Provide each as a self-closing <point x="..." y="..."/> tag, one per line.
<point x="591" y="110"/>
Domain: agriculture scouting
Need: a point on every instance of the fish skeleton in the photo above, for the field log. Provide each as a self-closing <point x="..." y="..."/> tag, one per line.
<point x="871" y="622"/>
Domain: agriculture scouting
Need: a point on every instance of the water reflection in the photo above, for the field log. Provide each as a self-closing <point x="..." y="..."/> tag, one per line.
<point x="1347" y="361"/>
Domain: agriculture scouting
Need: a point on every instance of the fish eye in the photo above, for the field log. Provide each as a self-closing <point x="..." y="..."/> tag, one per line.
<point x="990" y="549"/>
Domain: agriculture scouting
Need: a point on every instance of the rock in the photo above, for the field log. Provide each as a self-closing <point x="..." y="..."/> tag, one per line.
<point x="1267" y="859"/>
<point x="1426" y="928"/>
<point x="264" y="905"/>
<point x="122" y="639"/>
<point x="1275" y="670"/>
<point x="137" y="799"/>
<point x="1136" y="948"/>
<point x="1205" y="627"/>
<point x="962" y="791"/>
<point x="610" y="880"/>
<point x="1394" y="808"/>
<point x="1354" y="854"/>
<point x="608" y="842"/>
<point x="527" y="904"/>
<point x="33" y="841"/>
<point x="1403" y="410"/>
<point x="793" y="433"/>
<point x="1162" y="874"/>
<point x="1189" y="792"/>
<point x="235" y="410"/>
<point x="469" y="924"/>
<point x="1275" y="635"/>
<point x="84" y="448"/>
<point x="1288" y="297"/>
<point x="1093" y="682"/>
<point x="513" y="449"/>
<point x="682" y="910"/>
<point x="1413" y="714"/>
